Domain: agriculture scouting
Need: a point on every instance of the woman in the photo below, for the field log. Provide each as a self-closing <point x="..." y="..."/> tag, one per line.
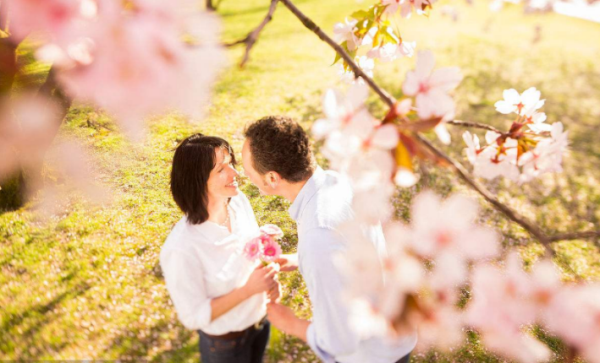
<point x="214" y="287"/>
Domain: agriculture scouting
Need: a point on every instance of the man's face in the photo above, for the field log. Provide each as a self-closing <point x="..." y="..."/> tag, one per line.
<point x="255" y="177"/>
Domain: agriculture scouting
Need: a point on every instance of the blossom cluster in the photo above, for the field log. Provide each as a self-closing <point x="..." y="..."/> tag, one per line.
<point x="264" y="247"/>
<point x="369" y="35"/>
<point x="526" y="151"/>
<point x="372" y="152"/>
<point x="132" y="58"/>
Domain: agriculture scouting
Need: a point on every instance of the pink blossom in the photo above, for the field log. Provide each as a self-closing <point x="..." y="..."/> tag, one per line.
<point x="431" y="87"/>
<point x="407" y="7"/>
<point x="272" y="230"/>
<point x="270" y="251"/>
<point x="344" y="112"/>
<point x="536" y="123"/>
<point x="53" y="17"/>
<point x="453" y="230"/>
<point x="506" y="300"/>
<point x="344" y="32"/>
<point x="141" y="67"/>
<point x="252" y="249"/>
<point x="573" y="315"/>
<point x="390" y="51"/>
<point x="524" y="104"/>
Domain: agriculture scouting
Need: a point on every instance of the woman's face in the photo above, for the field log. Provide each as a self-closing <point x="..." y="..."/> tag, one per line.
<point x="222" y="182"/>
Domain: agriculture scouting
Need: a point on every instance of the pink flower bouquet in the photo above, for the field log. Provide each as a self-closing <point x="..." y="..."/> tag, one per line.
<point x="264" y="246"/>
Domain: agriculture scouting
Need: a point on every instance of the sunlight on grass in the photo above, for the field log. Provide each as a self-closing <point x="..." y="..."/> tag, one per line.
<point x="87" y="283"/>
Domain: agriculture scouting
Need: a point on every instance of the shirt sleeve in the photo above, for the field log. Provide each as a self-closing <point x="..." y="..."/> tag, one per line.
<point x="185" y="283"/>
<point x="329" y="335"/>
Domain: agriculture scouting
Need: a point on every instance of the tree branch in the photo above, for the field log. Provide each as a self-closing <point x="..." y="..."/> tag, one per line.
<point x="252" y="37"/>
<point x="574" y="235"/>
<point x="358" y="72"/>
<point x="513" y="215"/>
<point x="475" y="125"/>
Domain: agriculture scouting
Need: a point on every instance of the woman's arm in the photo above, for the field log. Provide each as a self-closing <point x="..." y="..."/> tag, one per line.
<point x="262" y="279"/>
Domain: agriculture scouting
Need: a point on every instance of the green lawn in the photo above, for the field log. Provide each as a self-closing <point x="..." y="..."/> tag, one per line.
<point x="87" y="284"/>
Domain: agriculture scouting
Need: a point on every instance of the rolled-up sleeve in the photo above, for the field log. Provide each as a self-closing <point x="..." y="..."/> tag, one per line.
<point x="185" y="283"/>
<point x="329" y="335"/>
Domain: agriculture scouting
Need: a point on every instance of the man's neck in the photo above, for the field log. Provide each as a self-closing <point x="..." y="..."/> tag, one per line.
<point x="292" y="190"/>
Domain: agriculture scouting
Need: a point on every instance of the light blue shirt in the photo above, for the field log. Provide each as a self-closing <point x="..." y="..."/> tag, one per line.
<point x="324" y="202"/>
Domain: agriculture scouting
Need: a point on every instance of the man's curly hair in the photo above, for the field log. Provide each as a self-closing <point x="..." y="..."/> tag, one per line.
<point x="279" y="144"/>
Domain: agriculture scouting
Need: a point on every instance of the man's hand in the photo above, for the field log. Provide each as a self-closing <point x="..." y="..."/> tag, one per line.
<point x="288" y="262"/>
<point x="284" y="319"/>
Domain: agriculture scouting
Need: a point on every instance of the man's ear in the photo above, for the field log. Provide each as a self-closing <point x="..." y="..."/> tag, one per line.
<point x="273" y="179"/>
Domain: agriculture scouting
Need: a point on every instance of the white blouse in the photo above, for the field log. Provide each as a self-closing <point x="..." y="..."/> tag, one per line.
<point x="204" y="261"/>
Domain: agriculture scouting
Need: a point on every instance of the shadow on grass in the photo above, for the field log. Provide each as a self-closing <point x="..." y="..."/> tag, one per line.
<point x="37" y="317"/>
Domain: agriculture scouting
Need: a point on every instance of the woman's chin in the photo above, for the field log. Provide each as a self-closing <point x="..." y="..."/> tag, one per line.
<point x="232" y="191"/>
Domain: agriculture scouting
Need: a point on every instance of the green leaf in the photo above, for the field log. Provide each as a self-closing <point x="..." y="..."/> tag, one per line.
<point x="344" y="45"/>
<point x="359" y="15"/>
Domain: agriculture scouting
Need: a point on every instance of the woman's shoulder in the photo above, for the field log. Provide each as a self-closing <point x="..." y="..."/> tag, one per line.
<point x="185" y="233"/>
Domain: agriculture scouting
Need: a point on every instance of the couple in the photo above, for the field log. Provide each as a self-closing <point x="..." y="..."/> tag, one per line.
<point x="226" y="297"/>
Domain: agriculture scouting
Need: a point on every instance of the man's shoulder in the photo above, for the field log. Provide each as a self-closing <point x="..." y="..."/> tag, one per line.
<point x="332" y="203"/>
<point x="321" y="241"/>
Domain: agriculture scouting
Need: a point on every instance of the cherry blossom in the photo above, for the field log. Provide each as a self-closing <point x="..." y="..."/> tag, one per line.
<point x="343" y="111"/>
<point x="52" y="17"/>
<point x="524" y="104"/>
<point x="500" y="307"/>
<point x="547" y="155"/>
<point x="431" y="87"/>
<point x="142" y="56"/>
<point x="573" y="315"/>
<point x="453" y="230"/>
<point x="390" y="51"/>
<point x="536" y="122"/>
<point x="344" y="32"/>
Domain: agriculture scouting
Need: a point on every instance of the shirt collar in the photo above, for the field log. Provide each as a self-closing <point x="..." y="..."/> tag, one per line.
<point x="306" y="193"/>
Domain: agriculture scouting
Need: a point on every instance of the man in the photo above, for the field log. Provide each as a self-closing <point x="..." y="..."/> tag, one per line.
<point x="277" y="158"/>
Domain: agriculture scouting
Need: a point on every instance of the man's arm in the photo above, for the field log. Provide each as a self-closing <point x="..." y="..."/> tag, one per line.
<point x="329" y="335"/>
<point x="285" y="320"/>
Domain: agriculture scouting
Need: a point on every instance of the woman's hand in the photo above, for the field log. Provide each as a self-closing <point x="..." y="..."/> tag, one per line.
<point x="263" y="278"/>
<point x="274" y="295"/>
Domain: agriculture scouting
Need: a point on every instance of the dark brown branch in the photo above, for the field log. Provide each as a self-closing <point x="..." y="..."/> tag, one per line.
<point x="252" y="37"/>
<point x="358" y="72"/>
<point x="475" y="125"/>
<point x="574" y="235"/>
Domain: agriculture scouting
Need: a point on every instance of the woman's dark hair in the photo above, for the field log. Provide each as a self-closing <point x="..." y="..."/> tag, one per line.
<point x="194" y="159"/>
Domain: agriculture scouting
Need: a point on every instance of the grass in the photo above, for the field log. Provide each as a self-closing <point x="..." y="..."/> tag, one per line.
<point x="86" y="283"/>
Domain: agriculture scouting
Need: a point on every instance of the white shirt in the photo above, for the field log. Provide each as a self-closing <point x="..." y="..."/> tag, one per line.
<point x="204" y="261"/>
<point x="325" y="202"/>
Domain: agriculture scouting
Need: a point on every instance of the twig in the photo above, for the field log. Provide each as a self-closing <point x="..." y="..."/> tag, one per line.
<point x="475" y="125"/>
<point x="358" y="72"/>
<point x="252" y="37"/>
